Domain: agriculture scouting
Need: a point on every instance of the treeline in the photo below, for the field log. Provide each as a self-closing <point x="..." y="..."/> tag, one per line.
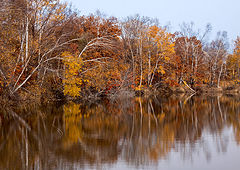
<point x="48" y="49"/>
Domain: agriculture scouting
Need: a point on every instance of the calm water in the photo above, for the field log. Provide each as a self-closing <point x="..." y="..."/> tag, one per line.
<point x="180" y="132"/>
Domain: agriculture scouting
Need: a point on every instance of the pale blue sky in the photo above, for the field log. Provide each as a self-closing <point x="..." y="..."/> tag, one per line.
<point x="224" y="15"/>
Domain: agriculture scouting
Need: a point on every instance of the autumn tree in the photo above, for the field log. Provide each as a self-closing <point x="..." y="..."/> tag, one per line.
<point x="99" y="49"/>
<point x="233" y="62"/>
<point x="160" y="49"/>
<point x="134" y="31"/>
<point x="216" y="55"/>
<point x="36" y="33"/>
<point x="147" y="47"/>
<point x="189" y="60"/>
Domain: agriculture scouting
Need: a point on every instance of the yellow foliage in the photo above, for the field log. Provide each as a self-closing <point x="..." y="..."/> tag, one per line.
<point x="161" y="70"/>
<point x="72" y="81"/>
<point x="139" y="88"/>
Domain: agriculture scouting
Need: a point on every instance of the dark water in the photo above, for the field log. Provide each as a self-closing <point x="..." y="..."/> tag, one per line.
<point x="175" y="133"/>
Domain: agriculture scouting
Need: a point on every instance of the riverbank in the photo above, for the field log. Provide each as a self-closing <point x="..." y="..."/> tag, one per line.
<point x="203" y="90"/>
<point x="161" y="90"/>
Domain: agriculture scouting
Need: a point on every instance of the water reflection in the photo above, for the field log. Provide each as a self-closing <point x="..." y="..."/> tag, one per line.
<point x="135" y="133"/>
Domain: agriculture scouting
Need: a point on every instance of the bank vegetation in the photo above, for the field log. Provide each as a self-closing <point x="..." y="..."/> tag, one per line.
<point x="49" y="51"/>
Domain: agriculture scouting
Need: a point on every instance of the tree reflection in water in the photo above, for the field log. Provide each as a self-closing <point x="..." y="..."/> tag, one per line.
<point x="139" y="131"/>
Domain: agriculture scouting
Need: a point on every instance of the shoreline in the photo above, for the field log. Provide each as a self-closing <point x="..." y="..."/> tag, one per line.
<point x="126" y="93"/>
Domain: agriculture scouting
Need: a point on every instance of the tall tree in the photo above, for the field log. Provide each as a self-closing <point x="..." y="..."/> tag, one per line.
<point x="36" y="30"/>
<point x="216" y="55"/>
<point x="189" y="60"/>
<point x="99" y="51"/>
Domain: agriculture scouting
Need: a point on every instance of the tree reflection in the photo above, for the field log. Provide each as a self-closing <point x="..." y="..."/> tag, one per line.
<point x="140" y="131"/>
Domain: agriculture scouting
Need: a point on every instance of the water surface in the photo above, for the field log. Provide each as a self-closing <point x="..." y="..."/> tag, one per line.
<point x="179" y="132"/>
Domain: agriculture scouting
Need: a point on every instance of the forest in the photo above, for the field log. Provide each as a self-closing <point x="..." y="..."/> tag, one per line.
<point x="49" y="50"/>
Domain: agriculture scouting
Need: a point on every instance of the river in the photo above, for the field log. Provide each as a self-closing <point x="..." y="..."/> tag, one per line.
<point x="178" y="132"/>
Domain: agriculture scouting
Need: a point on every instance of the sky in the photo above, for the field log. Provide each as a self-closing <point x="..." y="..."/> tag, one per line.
<point x="224" y="15"/>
